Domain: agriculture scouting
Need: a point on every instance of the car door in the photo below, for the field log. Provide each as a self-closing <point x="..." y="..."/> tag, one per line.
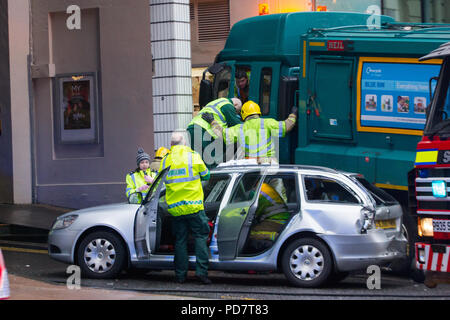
<point x="331" y="204"/>
<point x="145" y="224"/>
<point x="236" y="218"/>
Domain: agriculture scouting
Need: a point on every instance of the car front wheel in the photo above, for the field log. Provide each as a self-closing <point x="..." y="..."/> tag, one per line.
<point x="307" y="263"/>
<point x="101" y="255"/>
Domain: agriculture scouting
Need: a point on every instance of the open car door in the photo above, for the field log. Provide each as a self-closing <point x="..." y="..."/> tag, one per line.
<point x="146" y="222"/>
<point x="236" y="218"/>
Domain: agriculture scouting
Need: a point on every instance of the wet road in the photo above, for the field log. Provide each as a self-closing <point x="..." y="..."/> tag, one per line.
<point x="26" y="256"/>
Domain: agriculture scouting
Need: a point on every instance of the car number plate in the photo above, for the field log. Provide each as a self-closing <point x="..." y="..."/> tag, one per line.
<point x="386" y="224"/>
<point x="441" y="225"/>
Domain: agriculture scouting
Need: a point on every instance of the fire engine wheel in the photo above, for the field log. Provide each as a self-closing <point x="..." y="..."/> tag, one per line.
<point x="307" y="263"/>
<point x="101" y="255"/>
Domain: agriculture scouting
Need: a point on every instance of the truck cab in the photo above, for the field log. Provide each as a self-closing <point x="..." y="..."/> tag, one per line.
<point x="432" y="176"/>
<point x="361" y="91"/>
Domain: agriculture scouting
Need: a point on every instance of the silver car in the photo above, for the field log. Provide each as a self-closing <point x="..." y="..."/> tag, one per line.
<point x="337" y="222"/>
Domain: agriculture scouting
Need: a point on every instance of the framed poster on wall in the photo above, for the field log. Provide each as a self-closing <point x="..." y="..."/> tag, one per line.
<point x="76" y="116"/>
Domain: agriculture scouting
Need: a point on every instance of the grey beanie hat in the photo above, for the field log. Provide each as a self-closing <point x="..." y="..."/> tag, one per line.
<point x="141" y="155"/>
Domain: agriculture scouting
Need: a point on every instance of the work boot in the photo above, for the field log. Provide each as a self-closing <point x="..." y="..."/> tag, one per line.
<point x="204" y="279"/>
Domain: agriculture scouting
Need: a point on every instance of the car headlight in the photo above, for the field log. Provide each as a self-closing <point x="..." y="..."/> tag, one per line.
<point x="425" y="227"/>
<point x="65" y="222"/>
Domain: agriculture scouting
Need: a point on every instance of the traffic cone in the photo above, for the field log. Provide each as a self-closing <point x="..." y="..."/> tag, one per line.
<point x="4" y="283"/>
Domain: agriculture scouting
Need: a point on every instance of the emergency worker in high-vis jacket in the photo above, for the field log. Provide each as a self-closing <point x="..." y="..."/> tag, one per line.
<point x="139" y="180"/>
<point x="184" y="197"/>
<point x="159" y="155"/>
<point x="255" y="136"/>
<point x="226" y="113"/>
<point x="272" y="212"/>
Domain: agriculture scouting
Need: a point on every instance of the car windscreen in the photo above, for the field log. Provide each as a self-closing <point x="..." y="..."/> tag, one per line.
<point x="379" y="195"/>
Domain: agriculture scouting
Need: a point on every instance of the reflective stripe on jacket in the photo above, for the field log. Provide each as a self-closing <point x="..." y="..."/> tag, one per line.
<point x="137" y="179"/>
<point x="271" y="205"/>
<point x="255" y="136"/>
<point x="213" y="107"/>
<point x="184" y="192"/>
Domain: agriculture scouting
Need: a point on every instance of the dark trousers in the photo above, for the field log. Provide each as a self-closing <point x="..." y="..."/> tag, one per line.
<point x="197" y="224"/>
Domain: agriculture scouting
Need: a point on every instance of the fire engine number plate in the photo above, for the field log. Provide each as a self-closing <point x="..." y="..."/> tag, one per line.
<point x="385" y="224"/>
<point x="441" y="225"/>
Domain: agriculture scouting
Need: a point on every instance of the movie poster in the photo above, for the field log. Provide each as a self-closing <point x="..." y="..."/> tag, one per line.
<point x="78" y="109"/>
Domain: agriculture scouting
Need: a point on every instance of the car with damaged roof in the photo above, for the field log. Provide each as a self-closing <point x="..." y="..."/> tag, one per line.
<point x="313" y="224"/>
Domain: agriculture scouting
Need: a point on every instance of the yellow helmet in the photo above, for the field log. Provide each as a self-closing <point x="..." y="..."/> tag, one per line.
<point x="161" y="152"/>
<point x="250" y="108"/>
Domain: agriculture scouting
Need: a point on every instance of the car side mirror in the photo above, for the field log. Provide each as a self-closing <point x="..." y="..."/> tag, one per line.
<point x="135" y="198"/>
<point x="206" y="93"/>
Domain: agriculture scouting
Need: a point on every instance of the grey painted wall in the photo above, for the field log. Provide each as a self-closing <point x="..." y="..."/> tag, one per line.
<point x="114" y="42"/>
<point x="6" y="169"/>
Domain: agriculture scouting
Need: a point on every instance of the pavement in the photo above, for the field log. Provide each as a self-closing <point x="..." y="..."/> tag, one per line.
<point x="35" y="215"/>
<point x="27" y="289"/>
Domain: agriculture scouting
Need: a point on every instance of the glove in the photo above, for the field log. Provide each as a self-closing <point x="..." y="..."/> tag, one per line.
<point x="208" y="117"/>
<point x="142" y="188"/>
<point x="294" y="110"/>
<point x="149" y="179"/>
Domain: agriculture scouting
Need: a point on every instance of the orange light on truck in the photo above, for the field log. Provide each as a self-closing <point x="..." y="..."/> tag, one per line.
<point x="321" y="8"/>
<point x="263" y="9"/>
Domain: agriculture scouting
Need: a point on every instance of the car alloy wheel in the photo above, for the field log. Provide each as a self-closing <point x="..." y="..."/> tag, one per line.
<point x="99" y="255"/>
<point x="307" y="262"/>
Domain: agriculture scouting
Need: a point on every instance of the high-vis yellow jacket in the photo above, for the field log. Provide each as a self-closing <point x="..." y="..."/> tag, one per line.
<point x="215" y="107"/>
<point x="137" y="179"/>
<point x="255" y="136"/>
<point x="184" y="192"/>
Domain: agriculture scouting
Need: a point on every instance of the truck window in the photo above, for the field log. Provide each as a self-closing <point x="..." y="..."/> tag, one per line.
<point x="242" y="83"/>
<point x="265" y="88"/>
<point x="222" y="83"/>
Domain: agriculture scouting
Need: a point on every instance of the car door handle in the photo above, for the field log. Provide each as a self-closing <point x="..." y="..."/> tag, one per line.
<point x="243" y="212"/>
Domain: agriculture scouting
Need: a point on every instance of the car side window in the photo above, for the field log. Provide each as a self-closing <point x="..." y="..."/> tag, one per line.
<point x="245" y="189"/>
<point x="214" y="189"/>
<point x="328" y="190"/>
<point x="284" y="184"/>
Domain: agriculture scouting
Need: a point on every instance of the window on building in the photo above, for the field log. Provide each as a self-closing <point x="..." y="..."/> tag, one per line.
<point x="265" y="89"/>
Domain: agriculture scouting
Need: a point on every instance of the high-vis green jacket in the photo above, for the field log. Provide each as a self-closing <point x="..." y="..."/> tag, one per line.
<point x="184" y="192"/>
<point x="223" y="111"/>
<point x="137" y="179"/>
<point x="255" y="136"/>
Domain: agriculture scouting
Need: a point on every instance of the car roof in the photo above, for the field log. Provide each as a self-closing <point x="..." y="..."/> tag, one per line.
<point x="241" y="168"/>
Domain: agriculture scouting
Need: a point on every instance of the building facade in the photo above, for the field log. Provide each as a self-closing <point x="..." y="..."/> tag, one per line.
<point x="77" y="102"/>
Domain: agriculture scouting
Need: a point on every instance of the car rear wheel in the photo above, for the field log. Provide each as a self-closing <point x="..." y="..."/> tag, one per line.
<point x="101" y="255"/>
<point x="307" y="263"/>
